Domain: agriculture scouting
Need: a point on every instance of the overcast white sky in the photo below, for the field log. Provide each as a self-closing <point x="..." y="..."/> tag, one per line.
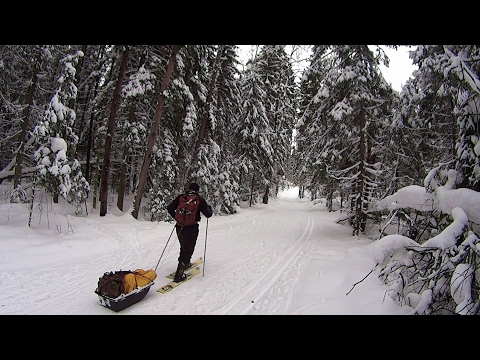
<point x="397" y="73"/>
<point x="400" y="68"/>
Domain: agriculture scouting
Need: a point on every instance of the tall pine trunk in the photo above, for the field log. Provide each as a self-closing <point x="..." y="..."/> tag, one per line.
<point x="111" y="127"/>
<point x="123" y="168"/>
<point x="92" y="94"/>
<point x="154" y="131"/>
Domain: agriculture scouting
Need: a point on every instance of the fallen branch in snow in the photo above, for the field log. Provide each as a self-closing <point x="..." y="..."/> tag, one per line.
<point x="358" y="282"/>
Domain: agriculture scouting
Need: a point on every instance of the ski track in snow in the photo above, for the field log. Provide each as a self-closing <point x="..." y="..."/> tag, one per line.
<point x="253" y="294"/>
<point x="240" y="265"/>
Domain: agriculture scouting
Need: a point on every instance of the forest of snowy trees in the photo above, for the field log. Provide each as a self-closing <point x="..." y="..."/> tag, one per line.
<point x="81" y="122"/>
<point x="145" y="119"/>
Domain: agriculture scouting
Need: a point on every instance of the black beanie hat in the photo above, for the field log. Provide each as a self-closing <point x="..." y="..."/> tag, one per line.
<point x="194" y="187"/>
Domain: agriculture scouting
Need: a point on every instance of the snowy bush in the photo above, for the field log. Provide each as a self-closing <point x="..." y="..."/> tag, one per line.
<point x="441" y="275"/>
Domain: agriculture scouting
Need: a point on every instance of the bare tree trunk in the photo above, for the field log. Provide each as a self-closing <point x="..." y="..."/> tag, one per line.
<point x="203" y="124"/>
<point x="123" y="169"/>
<point x="251" y="190"/>
<point x="89" y="148"/>
<point x="90" y="134"/>
<point x="111" y="127"/>
<point x="26" y="121"/>
<point x="97" y="173"/>
<point x="154" y="131"/>
<point x="31" y="206"/>
<point x="265" y="195"/>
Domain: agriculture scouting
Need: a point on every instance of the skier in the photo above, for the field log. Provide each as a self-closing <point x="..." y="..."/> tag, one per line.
<point x="187" y="235"/>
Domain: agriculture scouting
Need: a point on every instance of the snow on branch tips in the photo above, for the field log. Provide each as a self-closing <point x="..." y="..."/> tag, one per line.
<point x="460" y="66"/>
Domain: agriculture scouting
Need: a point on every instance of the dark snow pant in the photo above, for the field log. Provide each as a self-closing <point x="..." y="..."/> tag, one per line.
<point x="187" y="237"/>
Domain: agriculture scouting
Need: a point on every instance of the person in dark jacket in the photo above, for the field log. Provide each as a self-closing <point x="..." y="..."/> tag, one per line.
<point x="187" y="235"/>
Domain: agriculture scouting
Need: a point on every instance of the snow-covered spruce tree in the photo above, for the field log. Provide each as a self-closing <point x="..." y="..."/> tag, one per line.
<point x="308" y="173"/>
<point x="253" y="138"/>
<point x="208" y="173"/>
<point x="352" y="105"/>
<point x="268" y="96"/>
<point x="462" y="66"/>
<point x="227" y="198"/>
<point x="57" y="169"/>
<point x="275" y="69"/>
<point x="440" y="275"/>
<point x="214" y="153"/>
<point x="425" y="118"/>
<point x="225" y="110"/>
<point x="166" y="171"/>
<point x="204" y="168"/>
<point x="406" y="148"/>
<point x="423" y="135"/>
<point x="133" y="120"/>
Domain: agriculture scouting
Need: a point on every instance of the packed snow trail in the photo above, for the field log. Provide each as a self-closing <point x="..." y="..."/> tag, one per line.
<point x="284" y="257"/>
<point x="254" y="292"/>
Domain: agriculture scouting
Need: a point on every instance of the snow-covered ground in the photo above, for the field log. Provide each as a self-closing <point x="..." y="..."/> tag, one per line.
<point x="287" y="257"/>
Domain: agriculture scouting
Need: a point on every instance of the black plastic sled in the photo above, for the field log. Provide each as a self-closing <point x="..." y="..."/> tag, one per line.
<point x="124" y="300"/>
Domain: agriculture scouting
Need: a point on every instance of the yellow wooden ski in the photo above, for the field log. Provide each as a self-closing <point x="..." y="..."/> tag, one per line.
<point x="194" y="264"/>
<point x="172" y="285"/>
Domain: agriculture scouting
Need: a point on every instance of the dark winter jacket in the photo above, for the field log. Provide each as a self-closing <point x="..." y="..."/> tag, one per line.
<point x="204" y="208"/>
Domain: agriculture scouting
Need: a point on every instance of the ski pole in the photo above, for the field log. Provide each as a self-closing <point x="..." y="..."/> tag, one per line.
<point x="205" y="250"/>
<point x="165" y="247"/>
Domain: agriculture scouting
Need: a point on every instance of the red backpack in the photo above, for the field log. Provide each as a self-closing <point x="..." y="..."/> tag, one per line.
<point x="186" y="212"/>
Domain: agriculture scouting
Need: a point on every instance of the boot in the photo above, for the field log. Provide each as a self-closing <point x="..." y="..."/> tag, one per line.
<point x="179" y="275"/>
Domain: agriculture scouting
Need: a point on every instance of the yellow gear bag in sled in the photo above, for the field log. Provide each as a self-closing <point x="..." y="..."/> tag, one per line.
<point x="138" y="278"/>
